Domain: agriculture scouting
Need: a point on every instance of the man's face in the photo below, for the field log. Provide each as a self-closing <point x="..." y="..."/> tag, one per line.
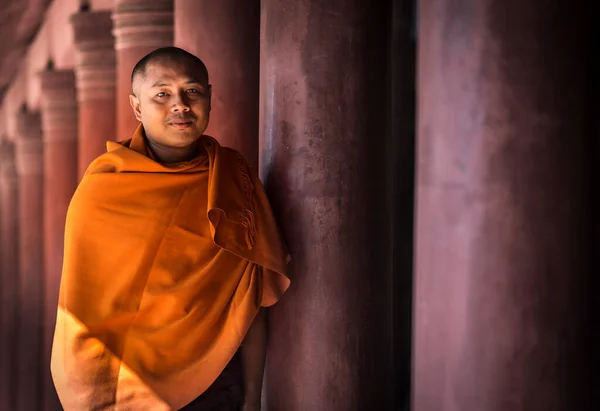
<point x="172" y="100"/>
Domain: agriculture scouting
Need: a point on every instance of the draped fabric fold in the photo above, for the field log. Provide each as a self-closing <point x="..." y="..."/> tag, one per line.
<point x="165" y="268"/>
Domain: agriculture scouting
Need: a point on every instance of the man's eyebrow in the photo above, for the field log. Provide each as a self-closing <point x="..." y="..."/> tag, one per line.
<point x="159" y="84"/>
<point x="191" y="81"/>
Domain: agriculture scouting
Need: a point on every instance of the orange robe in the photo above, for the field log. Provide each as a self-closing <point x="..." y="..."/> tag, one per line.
<point x="165" y="268"/>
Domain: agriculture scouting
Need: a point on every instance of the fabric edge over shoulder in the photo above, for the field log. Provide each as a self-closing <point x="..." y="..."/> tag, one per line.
<point x="249" y="217"/>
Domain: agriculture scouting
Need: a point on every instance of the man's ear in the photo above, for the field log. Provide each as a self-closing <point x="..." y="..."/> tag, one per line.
<point x="209" y="96"/>
<point x="135" y="105"/>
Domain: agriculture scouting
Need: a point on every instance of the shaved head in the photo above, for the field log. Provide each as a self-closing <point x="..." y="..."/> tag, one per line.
<point x="167" y="55"/>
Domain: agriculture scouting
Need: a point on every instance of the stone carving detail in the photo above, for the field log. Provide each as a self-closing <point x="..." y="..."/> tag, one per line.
<point x="143" y="23"/>
<point x="95" y="58"/>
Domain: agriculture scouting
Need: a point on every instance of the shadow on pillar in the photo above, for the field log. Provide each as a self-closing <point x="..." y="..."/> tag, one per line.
<point x="9" y="275"/>
<point x="401" y="163"/>
<point x="594" y="107"/>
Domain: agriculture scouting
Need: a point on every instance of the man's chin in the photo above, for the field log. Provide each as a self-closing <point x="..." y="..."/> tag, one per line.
<point x="183" y="138"/>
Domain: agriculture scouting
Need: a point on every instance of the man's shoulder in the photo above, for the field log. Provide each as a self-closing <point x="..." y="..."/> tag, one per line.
<point x="111" y="161"/>
<point x="229" y="152"/>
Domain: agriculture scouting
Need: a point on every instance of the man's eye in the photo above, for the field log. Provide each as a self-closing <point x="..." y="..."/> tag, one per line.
<point x="161" y="94"/>
<point x="192" y="90"/>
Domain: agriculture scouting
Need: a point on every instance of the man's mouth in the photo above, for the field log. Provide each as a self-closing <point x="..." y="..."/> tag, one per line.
<point x="181" y="124"/>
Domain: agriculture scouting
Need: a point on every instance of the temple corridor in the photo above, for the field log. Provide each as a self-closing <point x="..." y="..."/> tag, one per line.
<point x="432" y="163"/>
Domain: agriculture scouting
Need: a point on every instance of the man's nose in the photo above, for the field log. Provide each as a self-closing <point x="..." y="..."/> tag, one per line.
<point x="180" y="103"/>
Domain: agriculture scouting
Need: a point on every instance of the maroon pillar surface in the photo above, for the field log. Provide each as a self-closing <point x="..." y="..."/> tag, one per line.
<point x="96" y="88"/>
<point x="9" y="271"/>
<point x="503" y="216"/>
<point x="322" y="146"/>
<point x="59" y="126"/>
<point x="226" y="36"/>
<point x="140" y="26"/>
<point x="29" y="162"/>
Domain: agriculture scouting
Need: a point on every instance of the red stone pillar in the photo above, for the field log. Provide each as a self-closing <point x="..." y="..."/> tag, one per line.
<point x="503" y="233"/>
<point x="96" y="88"/>
<point x="323" y="147"/>
<point x="59" y="125"/>
<point x="225" y="34"/>
<point x="140" y="26"/>
<point x="9" y="270"/>
<point x="30" y="167"/>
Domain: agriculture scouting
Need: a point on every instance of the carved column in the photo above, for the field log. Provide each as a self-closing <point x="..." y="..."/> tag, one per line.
<point x="225" y="34"/>
<point x="140" y="26"/>
<point x="59" y="125"/>
<point x="30" y="167"/>
<point x="9" y="271"/>
<point x="96" y="85"/>
<point x="504" y="264"/>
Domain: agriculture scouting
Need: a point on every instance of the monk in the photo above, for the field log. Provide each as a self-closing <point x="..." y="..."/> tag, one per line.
<point x="172" y="254"/>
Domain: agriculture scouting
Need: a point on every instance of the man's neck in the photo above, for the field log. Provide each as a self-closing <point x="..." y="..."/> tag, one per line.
<point x="172" y="155"/>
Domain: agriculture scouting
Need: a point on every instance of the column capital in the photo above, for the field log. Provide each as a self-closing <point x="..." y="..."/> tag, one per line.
<point x="28" y="143"/>
<point x="143" y="23"/>
<point x="59" y="101"/>
<point x="92" y="30"/>
<point x="95" y="55"/>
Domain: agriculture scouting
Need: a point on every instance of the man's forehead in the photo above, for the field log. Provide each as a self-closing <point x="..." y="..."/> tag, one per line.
<point x="174" y="71"/>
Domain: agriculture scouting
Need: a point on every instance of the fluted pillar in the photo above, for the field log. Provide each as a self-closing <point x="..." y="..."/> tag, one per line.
<point x="503" y="317"/>
<point x="30" y="167"/>
<point x="9" y="272"/>
<point x="225" y="34"/>
<point x="59" y="126"/>
<point x="323" y="147"/>
<point x="140" y="26"/>
<point x="96" y="84"/>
